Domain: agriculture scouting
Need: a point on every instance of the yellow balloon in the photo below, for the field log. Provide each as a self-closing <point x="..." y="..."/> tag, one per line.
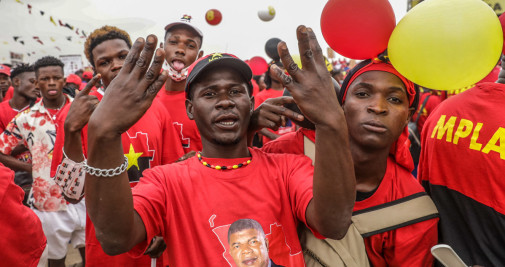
<point x="296" y="58"/>
<point x="447" y="44"/>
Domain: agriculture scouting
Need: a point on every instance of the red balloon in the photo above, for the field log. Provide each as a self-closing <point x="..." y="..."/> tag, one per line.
<point x="213" y="17"/>
<point x="258" y="65"/>
<point x="358" y="29"/>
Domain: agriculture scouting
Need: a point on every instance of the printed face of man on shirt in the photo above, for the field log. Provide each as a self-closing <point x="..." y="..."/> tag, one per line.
<point x="249" y="247"/>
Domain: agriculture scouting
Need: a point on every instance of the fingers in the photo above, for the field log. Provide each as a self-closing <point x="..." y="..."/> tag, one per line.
<point x="154" y="71"/>
<point x="279" y="101"/>
<point x="90" y="85"/>
<point x="133" y="55"/>
<point x="288" y="61"/>
<point x="156" y="247"/>
<point x="316" y="49"/>
<point x="304" y="47"/>
<point x="285" y="79"/>
<point x="155" y="87"/>
<point x="143" y="61"/>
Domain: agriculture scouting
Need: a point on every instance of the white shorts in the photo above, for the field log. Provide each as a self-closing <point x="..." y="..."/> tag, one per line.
<point x="63" y="227"/>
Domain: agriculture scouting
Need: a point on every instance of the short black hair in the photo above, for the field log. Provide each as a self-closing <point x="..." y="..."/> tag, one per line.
<point x="21" y="69"/>
<point x="244" y="224"/>
<point x="182" y="26"/>
<point x="47" y="61"/>
<point x="101" y="35"/>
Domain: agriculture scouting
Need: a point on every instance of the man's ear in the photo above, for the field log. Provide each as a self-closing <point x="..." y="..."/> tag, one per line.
<point x="412" y="110"/>
<point x="189" y="109"/>
<point x="16" y="82"/>
<point x="200" y="54"/>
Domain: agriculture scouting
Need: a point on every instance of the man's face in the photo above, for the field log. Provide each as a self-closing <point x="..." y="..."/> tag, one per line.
<point x="5" y="82"/>
<point x="50" y="81"/>
<point x="24" y="83"/>
<point x="109" y="57"/>
<point x="181" y="47"/>
<point x="249" y="248"/>
<point x="376" y="109"/>
<point x="220" y="106"/>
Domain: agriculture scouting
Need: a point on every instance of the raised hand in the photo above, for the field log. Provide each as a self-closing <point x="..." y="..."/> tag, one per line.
<point x="82" y="107"/>
<point x="311" y="87"/>
<point x="131" y="93"/>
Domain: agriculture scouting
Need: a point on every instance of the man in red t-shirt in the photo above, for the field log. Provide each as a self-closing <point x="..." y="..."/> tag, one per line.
<point x="183" y="43"/>
<point x="25" y="94"/>
<point x="5" y="81"/>
<point x="23" y="241"/>
<point x="150" y="142"/>
<point x="461" y="166"/>
<point x="382" y="174"/>
<point x="192" y="203"/>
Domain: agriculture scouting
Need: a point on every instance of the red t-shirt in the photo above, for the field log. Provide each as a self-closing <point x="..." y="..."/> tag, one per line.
<point x="259" y="99"/>
<point x="7" y="113"/>
<point x="174" y="102"/>
<point x="152" y="141"/>
<point x="23" y="240"/>
<point x="462" y="166"/>
<point x="192" y="207"/>
<point x="290" y="143"/>
<point x="406" y="246"/>
<point x="8" y="94"/>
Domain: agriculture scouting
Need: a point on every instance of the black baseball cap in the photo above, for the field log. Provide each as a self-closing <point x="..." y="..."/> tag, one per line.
<point x="218" y="59"/>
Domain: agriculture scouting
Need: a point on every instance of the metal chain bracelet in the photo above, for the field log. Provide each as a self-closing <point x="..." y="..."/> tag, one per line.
<point x="107" y="172"/>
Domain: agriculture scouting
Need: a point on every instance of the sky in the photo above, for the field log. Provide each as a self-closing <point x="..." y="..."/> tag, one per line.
<point x="240" y="32"/>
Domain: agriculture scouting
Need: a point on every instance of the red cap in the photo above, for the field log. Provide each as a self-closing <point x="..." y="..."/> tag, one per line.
<point x="72" y="78"/>
<point x="5" y="70"/>
<point x="88" y="75"/>
<point x="258" y="65"/>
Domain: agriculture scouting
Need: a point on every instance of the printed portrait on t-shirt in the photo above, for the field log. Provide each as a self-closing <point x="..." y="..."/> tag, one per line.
<point x="248" y="244"/>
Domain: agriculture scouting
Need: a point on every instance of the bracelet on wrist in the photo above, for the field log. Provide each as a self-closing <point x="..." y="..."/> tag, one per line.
<point x="65" y="155"/>
<point x="107" y="172"/>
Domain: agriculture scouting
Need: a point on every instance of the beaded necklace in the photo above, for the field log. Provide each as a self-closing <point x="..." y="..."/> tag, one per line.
<point x="217" y="167"/>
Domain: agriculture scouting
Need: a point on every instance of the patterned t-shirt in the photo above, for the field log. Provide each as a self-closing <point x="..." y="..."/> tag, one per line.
<point x="35" y="129"/>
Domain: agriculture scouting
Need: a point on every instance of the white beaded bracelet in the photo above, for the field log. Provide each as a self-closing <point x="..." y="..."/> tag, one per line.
<point x="107" y="172"/>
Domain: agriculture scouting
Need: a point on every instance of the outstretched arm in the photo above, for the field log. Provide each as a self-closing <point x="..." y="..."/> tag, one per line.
<point x="334" y="185"/>
<point x="109" y="200"/>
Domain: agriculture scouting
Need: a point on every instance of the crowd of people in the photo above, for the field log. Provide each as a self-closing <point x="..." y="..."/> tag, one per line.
<point x="208" y="162"/>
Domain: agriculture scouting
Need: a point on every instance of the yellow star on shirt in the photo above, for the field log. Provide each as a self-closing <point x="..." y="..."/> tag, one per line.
<point x="133" y="157"/>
